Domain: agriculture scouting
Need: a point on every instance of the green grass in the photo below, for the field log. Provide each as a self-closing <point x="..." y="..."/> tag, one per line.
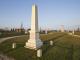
<point x="77" y="33"/>
<point x="10" y="34"/>
<point x="65" y="47"/>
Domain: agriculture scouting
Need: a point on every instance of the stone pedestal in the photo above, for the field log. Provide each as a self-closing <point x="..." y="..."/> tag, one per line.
<point x="34" y="42"/>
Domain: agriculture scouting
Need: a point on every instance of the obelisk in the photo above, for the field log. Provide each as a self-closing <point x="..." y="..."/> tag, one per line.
<point x="34" y="42"/>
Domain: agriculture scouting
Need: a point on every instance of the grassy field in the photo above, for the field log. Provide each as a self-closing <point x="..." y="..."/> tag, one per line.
<point x="10" y="34"/>
<point x="65" y="47"/>
<point x="77" y="33"/>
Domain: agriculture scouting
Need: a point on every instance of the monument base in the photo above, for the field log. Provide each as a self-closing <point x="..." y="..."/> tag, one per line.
<point x="33" y="44"/>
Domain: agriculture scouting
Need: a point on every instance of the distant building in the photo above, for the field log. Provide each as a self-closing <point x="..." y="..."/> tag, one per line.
<point x="20" y="30"/>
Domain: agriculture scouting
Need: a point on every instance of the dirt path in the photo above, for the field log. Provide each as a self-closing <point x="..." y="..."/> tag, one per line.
<point x="4" y="57"/>
<point x="3" y="39"/>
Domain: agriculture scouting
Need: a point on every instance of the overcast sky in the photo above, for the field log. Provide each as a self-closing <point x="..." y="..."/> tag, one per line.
<point x="51" y="13"/>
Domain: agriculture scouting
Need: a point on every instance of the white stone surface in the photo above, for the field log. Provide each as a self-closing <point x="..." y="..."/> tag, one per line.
<point x="62" y="28"/>
<point x="46" y="32"/>
<point x="14" y="45"/>
<point x="73" y="32"/>
<point x="34" y="42"/>
<point x="39" y="53"/>
<point x="51" y="42"/>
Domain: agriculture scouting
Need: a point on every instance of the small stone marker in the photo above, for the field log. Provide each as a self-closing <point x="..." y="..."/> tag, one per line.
<point x="14" y="45"/>
<point x="62" y="28"/>
<point x="51" y="42"/>
<point x="46" y="32"/>
<point x="39" y="53"/>
<point x="73" y="32"/>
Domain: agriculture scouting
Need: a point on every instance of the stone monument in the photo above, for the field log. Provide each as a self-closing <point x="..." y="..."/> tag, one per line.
<point x="62" y="28"/>
<point x="46" y="32"/>
<point x="34" y="42"/>
<point x="73" y="32"/>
